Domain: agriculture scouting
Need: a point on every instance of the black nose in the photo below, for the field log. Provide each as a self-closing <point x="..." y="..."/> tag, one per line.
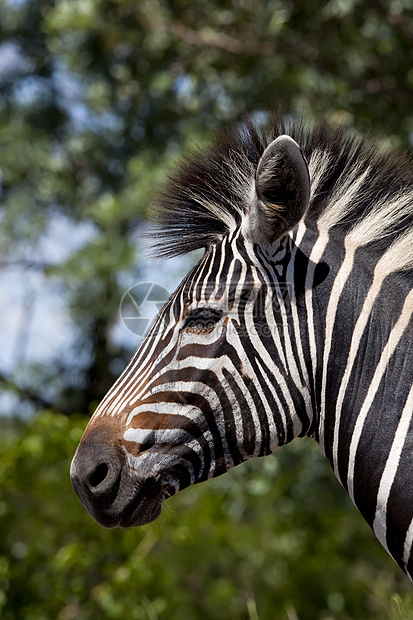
<point x="96" y="472"/>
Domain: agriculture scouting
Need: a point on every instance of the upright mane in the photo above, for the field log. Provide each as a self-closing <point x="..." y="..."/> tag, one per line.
<point x="356" y="188"/>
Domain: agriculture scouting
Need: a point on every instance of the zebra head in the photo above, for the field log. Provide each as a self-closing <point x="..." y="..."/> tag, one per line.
<point x="296" y="321"/>
<point x="195" y="400"/>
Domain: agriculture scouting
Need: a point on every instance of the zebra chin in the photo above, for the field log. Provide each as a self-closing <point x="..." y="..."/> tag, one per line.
<point x="115" y="494"/>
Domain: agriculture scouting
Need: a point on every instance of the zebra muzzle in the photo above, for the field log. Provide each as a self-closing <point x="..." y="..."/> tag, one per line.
<point x="112" y="492"/>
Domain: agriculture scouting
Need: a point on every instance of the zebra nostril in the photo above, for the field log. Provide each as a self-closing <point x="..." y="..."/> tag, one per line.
<point x="96" y="473"/>
<point x="99" y="475"/>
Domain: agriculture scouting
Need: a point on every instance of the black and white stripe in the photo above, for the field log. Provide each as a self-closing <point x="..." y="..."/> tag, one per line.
<point x="296" y="321"/>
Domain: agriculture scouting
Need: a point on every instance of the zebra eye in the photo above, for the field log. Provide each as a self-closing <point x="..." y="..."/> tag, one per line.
<point x="202" y="320"/>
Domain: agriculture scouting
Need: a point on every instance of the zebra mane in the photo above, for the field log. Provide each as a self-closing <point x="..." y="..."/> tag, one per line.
<point x="356" y="188"/>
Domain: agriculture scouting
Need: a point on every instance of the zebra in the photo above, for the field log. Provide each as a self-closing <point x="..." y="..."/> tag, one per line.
<point x="296" y="321"/>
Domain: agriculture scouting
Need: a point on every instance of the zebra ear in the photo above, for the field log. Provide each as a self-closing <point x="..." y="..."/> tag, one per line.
<point x="282" y="191"/>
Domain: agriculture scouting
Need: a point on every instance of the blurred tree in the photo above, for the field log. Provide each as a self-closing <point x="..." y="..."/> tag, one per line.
<point x="96" y="97"/>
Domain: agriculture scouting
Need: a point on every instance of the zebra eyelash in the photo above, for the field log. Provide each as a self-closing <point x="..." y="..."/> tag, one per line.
<point x="202" y="320"/>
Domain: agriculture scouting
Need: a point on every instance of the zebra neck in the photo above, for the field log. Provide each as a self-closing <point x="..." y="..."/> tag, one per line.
<point x="363" y="313"/>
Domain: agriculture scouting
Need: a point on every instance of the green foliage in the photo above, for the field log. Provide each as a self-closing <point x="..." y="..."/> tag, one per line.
<point x="99" y="97"/>
<point x="274" y="538"/>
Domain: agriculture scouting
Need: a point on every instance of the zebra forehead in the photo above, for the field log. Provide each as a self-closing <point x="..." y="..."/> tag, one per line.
<point x="356" y="187"/>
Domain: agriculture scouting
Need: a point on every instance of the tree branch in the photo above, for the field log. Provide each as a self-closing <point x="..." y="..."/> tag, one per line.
<point x="25" y="393"/>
